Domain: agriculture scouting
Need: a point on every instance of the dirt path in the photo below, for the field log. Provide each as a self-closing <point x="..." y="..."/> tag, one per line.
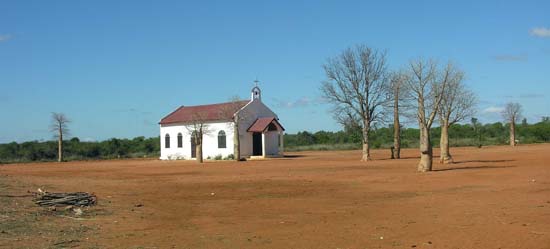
<point x="495" y="197"/>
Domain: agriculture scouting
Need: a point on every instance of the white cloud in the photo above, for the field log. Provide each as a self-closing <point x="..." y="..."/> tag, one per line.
<point x="493" y="109"/>
<point x="301" y="102"/>
<point x="5" y="37"/>
<point x="540" y="32"/>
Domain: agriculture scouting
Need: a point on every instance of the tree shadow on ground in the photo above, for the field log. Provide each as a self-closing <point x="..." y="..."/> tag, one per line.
<point x="475" y="167"/>
<point x="483" y="161"/>
<point x="293" y="156"/>
<point x="401" y="158"/>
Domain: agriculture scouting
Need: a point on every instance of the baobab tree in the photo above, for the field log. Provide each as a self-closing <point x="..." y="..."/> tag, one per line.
<point x="458" y="103"/>
<point x="511" y="113"/>
<point x="426" y="83"/>
<point x="396" y="93"/>
<point x="60" y="127"/>
<point x="356" y="86"/>
<point x="197" y="128"/>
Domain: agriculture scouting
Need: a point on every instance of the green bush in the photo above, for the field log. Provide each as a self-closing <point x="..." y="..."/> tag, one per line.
<point x="347" y="139"/>
<point x="74" y="149"/>
<point x="382" y="138"/>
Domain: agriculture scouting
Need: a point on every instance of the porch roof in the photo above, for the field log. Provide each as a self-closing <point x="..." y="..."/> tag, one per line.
<point x="261" y="124"/>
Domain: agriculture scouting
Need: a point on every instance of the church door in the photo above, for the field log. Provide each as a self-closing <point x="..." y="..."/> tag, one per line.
<point x="257" y="144"/>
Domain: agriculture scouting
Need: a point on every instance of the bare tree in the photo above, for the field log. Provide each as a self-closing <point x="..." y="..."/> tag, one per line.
<point x="59" y="126"/>
<point x="511" y="113"/>
<point x="426" y="84"/>
<point x="396" y="93"/>
<point x="197" y="128"/>
<point x="233" y="109"/>
<point x="355" y="85"/>
<point x="458" y="103"/>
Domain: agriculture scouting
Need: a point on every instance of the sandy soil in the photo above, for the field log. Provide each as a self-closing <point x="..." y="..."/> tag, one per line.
<point x="494" y="197"/>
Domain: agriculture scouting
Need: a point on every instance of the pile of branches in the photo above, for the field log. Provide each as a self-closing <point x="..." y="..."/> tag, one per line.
<point x="79" y="199"/>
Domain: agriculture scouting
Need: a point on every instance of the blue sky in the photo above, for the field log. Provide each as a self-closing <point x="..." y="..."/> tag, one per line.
<point x="116" y="67"/>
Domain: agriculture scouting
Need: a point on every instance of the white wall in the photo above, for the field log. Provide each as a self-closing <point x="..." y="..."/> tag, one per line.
<point x="210" y="141"/>
<point x="249" y="113"/>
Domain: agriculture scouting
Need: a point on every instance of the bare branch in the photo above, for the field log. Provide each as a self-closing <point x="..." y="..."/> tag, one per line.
<point x="356" y="86"/>
<point x="457" y="104"/>
<point x="60" y="128"/>
<point x="197" y="128"/>
<point x="59" y="122"/>
<point x="428" y="85"/>
<point x="512" y="112"/>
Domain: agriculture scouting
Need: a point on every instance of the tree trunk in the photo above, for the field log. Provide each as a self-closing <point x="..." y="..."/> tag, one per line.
<point x="513" y="133"/>
<point x="396" y="129"/>
<point x="366" y="149"/>
<point x="426" y="154"/>
<point x="444" y="144"/>
<point x="60" y="146"/>
<point x="199" y="152"/>
<point x="236" y="142"/>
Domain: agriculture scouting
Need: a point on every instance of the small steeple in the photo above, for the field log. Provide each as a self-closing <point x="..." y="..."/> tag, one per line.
<point x="256" y="93"/>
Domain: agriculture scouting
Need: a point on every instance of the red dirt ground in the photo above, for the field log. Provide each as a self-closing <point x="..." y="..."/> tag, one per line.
<point x="494" y="197"/>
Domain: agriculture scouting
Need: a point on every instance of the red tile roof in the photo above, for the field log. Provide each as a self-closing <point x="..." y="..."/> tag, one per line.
<point x="214" y="112"/>
<point x="261" y="124"/>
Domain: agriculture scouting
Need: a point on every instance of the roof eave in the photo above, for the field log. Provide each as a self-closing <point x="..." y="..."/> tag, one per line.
<point x="205" y="121"/>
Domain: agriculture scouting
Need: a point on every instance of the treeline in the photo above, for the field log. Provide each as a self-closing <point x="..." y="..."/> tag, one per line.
<point x="74" y="149"/>
<point x="460" y="135"/>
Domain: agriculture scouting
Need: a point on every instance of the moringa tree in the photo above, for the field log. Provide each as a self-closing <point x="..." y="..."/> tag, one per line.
<point x="458" y="103"/>
<point x="426" y="83"/>
<point x="356" y="86"/>
<point x="511" y="113"/>
<point x="60" y="127"/>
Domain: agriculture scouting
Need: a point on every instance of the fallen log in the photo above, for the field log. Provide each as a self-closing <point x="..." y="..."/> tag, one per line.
<point x="78" y="199"/>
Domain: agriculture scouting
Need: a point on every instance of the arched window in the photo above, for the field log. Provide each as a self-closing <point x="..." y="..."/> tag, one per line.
<point x="167" y="141"/>
<point x="180" y="140"/>
<point x="221" y="139"/>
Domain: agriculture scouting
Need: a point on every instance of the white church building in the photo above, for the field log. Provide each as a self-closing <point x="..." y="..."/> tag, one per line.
<point x="260" y="133"/>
